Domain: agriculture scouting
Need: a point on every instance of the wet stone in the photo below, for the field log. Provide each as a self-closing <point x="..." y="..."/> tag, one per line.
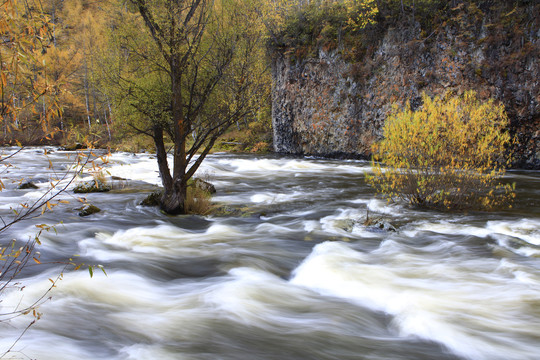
<point x="152" y="199"/>
<point x="88" y="209"/>
<point x="28" y="185"/>
<point x="91" y="186"/>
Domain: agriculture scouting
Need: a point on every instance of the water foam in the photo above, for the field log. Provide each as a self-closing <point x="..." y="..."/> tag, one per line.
<point x="466" y="304"/>
<point x="379" y="206"/>
<point x="273" y="198"/>
<point x="525" y="232"/>
<point x="161" y="241"/>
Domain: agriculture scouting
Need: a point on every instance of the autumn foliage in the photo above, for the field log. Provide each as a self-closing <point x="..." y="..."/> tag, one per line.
<point x="447" y="155"/>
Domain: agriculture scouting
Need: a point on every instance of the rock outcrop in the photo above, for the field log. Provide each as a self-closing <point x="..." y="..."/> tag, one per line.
<point x="326" y="106"/>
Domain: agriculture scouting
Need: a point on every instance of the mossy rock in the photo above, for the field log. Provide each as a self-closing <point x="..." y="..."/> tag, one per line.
<point x="28" y="185"/>
<point x="225" y="211"/>
<point x="152" y="199"/>
<point x="91" y="186"/>
<point x="88" y="209"/>
<point x="73" y="147"/>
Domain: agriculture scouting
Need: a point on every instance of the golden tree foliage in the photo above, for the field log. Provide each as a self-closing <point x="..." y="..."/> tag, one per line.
<point x="84" y="28"/>
<point x="25" y="39"/>
<point x="276" y="13"/>
<point x="447" y="155"/>
<point x="361" y="13"/>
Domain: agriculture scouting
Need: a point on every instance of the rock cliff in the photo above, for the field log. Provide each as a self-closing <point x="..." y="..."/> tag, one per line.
<point x="326" y="106"/>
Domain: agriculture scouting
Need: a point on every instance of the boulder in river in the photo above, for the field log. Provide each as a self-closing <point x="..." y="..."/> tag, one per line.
<point x="152" y="199"/>
<point x="381" y="226"/>
<point x="88" y="209"/>
<point x="377" y="224"/>
<point x="91" y="186"/>
<point x="28" y="185"/>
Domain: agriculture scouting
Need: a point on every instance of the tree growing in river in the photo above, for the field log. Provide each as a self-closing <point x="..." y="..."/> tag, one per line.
<point x="450" y="154"/>
<point x="193" y="73"/>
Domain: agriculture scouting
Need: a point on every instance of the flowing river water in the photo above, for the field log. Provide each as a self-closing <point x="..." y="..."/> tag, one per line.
<point x="290" y="273"/>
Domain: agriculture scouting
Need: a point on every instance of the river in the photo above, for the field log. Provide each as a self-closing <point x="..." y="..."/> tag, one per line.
<point x="291" y="273"/>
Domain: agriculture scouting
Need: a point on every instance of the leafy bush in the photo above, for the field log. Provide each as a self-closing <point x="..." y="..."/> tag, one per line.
<point x="447" y="155"/>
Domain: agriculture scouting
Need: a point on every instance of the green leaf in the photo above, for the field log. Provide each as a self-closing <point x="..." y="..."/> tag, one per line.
<point x="102" y="269"/>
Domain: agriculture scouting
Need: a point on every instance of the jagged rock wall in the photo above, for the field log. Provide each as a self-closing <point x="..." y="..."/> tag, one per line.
<point x="325" y="106"/>
<point x="317" y="110"/>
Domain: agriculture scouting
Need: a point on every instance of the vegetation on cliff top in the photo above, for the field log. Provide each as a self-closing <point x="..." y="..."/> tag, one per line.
<point x="308" y="27"/>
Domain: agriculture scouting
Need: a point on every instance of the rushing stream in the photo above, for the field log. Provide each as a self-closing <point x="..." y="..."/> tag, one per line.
<point x="291" y="274"/>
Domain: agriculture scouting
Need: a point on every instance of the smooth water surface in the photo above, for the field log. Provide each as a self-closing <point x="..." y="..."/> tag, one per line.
<point x="290" y="273"/>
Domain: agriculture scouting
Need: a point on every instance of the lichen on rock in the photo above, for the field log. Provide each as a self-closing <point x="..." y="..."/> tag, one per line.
<point x="88" y="209"/>
<point x="91" y="186"/>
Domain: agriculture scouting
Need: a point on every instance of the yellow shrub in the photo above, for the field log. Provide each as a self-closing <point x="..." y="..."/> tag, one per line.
<point x="450" y="154"/>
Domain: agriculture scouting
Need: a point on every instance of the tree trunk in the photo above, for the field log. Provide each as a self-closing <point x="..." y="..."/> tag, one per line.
<point x="172" y="201"/>
<point x="175" y="187"/>
<point x="86" y="95"/>
<point x="174" y="194"/>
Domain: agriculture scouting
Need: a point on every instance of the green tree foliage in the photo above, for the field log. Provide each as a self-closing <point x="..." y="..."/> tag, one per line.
<point x="194" y="72"/>
<point x="447" y="155"/>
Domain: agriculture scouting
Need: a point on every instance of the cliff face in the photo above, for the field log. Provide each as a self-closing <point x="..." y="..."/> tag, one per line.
<point x="325" y="106"/>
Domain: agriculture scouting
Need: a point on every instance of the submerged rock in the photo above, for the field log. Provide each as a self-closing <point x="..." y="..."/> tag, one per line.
<point x="381" y="226"/>
<point x="88" y="209"/>
<point x="225" y="211"/>
<point x="346" y="224"/>
<point x="370" y="224"/>
<point x="377" y="224"/>
<point x="28" y="185"/>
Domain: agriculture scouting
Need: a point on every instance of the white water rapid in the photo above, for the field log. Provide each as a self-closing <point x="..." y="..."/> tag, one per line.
<point x="289" y="272"/>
